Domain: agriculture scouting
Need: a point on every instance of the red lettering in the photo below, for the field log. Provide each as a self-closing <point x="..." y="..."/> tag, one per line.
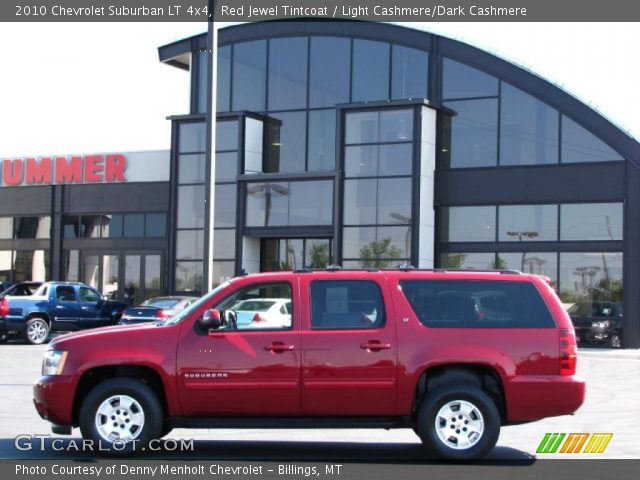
<point x="93" y="168"/>
<point x="68" y="171"/>
<point x="12" y="173"/>
<point x="38" y="172"/>
<point x="115" y="167"/>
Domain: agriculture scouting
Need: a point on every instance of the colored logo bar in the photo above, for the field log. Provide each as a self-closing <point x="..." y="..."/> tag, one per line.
<point x="574" y="442"/>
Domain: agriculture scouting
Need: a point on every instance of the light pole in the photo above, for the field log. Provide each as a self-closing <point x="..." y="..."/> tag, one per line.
<point x="521" y="235"/>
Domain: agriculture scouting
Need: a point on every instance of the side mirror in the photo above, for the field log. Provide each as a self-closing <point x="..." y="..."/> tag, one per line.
<point x="211" y="320"/>
<point x="105" y="297"/>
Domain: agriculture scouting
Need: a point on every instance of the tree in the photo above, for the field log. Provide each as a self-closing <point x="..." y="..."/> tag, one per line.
<point x="319" y="254"/>
<point x="378" y="254"/>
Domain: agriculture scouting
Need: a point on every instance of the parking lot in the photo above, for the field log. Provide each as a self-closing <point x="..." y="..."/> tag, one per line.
<point x="612" y="406"/>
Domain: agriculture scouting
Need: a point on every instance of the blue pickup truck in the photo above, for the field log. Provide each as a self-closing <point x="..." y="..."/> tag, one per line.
<point x="56" y="307"/>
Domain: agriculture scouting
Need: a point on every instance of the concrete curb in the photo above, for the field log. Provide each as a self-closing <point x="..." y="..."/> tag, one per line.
<point x="609" y="353"/>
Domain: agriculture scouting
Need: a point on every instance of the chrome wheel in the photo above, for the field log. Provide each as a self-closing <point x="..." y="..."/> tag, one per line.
<point x="37" y="331"/>
<point x="616" y="341"/>
<point x="119" y="417"/>
<point x="459" y="424"/>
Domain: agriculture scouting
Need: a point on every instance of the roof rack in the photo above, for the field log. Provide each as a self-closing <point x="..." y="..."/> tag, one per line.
<point x="408" y="268"/>
<point x="333" y="268"/>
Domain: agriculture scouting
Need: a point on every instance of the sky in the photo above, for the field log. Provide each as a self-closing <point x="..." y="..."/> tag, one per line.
<point x="78" y="88"/>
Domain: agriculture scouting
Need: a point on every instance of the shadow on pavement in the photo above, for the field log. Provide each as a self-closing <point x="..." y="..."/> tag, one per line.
<point x="349" y="452"/>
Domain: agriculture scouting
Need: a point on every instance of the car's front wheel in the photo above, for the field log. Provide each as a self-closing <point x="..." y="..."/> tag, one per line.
<point x="458" y="422"/>
<point x="36" y="331"/>
<point x="121" y="415"/>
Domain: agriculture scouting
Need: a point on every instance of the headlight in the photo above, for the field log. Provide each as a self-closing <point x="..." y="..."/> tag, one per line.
<point x="53" y="362"/>
<point x="601" y="324"/>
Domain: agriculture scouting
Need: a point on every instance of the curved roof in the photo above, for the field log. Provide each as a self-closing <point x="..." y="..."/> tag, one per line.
<point x="177" y="54"/>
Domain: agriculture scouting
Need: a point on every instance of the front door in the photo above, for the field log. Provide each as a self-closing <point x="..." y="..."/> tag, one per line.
<point x="247" y="367"/>
<point x="350" y="349"/>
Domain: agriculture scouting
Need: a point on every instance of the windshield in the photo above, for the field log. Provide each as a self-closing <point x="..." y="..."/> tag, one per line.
<point x="160" y="302"/>
<point x="186" y="312"/>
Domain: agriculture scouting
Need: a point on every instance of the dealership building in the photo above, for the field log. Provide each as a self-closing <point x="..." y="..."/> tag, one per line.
<point x="367" y="145"/>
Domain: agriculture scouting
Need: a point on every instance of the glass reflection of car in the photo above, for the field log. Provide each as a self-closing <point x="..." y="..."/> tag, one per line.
<point x="263" y="313"/>
<point x="598" y="322"/>
<point x="156" y="309"/>
<point x="22" y="289"/>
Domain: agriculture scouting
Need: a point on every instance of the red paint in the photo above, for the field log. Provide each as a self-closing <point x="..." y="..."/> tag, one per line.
<point x="115" y="168"/>
<point x="316" y="373"/>
<point x="38" y="172"/>
<point x="68" y="171"/>
<point x="12" y="173"/>
<point x="93" y="168"/>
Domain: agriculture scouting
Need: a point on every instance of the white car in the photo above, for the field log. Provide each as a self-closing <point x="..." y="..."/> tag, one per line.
<point x="263" y="313"/>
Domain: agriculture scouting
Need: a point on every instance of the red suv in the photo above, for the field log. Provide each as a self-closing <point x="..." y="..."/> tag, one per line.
<point x="453" y="355"/>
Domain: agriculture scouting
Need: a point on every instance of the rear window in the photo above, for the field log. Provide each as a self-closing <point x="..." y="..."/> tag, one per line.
<point x="477" y="304"/>
<point x="161" y="303"/>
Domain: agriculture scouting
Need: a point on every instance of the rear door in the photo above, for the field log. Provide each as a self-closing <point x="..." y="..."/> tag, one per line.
<point x="350" y="347"/>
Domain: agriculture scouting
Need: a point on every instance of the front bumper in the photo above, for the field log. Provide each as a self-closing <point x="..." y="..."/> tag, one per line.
<point x="53" y="398"/>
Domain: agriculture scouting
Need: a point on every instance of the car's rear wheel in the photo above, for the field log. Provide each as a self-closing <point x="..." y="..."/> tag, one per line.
<point x="458" y="422"/>
<point x="36" y="331"/>
<point x="121" y="415"/>
<point x="615" y="341"/>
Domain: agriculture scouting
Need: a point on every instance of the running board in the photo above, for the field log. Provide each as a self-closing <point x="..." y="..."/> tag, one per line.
<point x="290" y="422"/>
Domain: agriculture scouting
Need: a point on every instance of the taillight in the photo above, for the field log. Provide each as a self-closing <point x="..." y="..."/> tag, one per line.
<point x="161" y="314"/>
<point x="257" y="318"/>
<point x="568" y="352"/>
<point x="4" y="307"/>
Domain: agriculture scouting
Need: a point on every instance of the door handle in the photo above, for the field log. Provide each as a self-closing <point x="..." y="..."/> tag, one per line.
<point x="59" y="307"/>
<point x="375" y="345"/>
<point x="278" y="347"/>
<point x="84" y="308"/>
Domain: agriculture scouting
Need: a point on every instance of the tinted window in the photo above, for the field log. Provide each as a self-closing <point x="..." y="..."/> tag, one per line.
<point x="226" y="135"/>
<point x="287" y="73"/>
<point x="370" y="71"/>
<point x="311" y="203"/>
<point x="189" y="276"/>
<point x="224" y="79"/>
<point x="225" y="206"/>
<point x="189" y="244"/>
<point x="478" y="261"/>
<point x="528" y="223"/>
<point x="89" y="295"/>
<point x="134" y="225"/>
<point x="468" y="224"/>
<point x="462" y="81"/>
<point x="409" y="73"/>
<point x="528" y="129"/>
<point x="156" y="225"/>
<point x="286" y="144"/>
<point x="32" y="227"/>
<point x="477" y="304"/>
<point x="224" y="244"/>
<point x="589" y="276"/>
<point x="226" y="167"/>
<point x="191" y="206"/>
<point x="65" y="294"/>
<point x="6" y="228"/>
<point x="322" y="140"/>
<point x="347" y="304"/>
<point x="192" y="137"/>
<point x="591" y="221"/>
<point x="539" y="263"/>
<point x="329" y="71"/>
<point x="578" y="145"/>
<point x="203" y="74"/>
<point x="249" y="75"/>
<point x="112" y="226"/>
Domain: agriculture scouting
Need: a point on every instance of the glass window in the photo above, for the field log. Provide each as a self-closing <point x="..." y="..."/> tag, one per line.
<point x="203" y="75"/>
<point x="538" y="263"/>
<point x="346" y="304"/>
<point x="31" y="265"/>
<point x="112" y="226"/>
<point x="361" y="161"/>
<point x="249" y="75"/>
<point x="380" y="247"/>
<point x="192" y="137"/>
<point x="528" y="129"/>
<point x="360" y="202"/>
<point x="110" y="275"/>
<point x="222" y="271"/>
<point x="391" y="242"/>
<point x="191" y="206"/>
<point x="257" y="307"/>
<point x="224" y="79"/>
<point x="591" y="276"/>
<point x="286" y="144"/>
<point x="578" y="145"/>
<point x="291" y="254"/>
<point x="267" y="204"/>
<point x="394" y="201"/>
<point x="6" y="227"/>
<point x="90" y="271"/>
<point x="225" y="206"/>
<point x="71" y="226"/>
<point x="32" y="227"/>
<point x="226" y="135"/>
<point x="191" y="168"/>
<point x="189" y="276"/>
<point x="528" y="223"/>
<point x="134" y="225"/>
<point x="152" y="276"/>
<point x="462" y="81"/>
<point x="409" y="73"/>
<point x="329" y="71"/>
<point x="468" y="224"/>
<point x="226" y="167"/>
<point x="475" y="261"/>
<point x="370" y="71"/>
<point x="71" y="265"/>
<point x="322" y="140"/>
<point x="396" y="125"/>
<point x="311" y="203"/>
<point x="362" y="127"/>
<point x="189" y="244"/>
<point x="591" y="221"/>
<point x="224" y="244"/>
<point x="317" y="252"/>
<point x="473" y="134"/>
<point x="478" y="304"/>
<point x="356" y="240"/>
<point x="287" y="73"/>
<point x="155" y="225"/>
<point x="132" y="280"/>
<point x="90" y="226"/>
<point x="65" y="294"/>
<point x="395" y="159"/>
<point x="89" y="295"/>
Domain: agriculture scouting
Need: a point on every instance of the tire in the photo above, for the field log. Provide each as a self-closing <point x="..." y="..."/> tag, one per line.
<point x="166" y="430"/>
<point x="441" y="423"/>
<point x="615" y="341"/>
<point x="4" y="337"/>
<point x="36" y="331"/>
<point x="134" y="409"/>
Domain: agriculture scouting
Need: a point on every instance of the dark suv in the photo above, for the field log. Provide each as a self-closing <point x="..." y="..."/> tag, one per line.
<point x="598" y="322"/>
<point x="453" y="355"/>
